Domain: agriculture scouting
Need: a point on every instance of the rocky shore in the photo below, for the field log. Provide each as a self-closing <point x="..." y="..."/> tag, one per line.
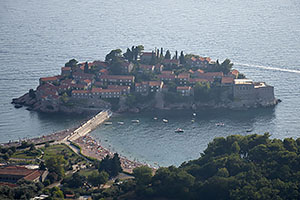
<point x="34" y="104"/>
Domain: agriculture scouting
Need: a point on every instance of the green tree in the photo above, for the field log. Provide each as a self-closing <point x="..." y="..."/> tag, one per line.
<point x="142" y="175"/>
<point x="71" y="63"/>
<point x="31" y="93"/>
<point x="55" y="164"/>
<point x="182" y="58"/>
<point x="168" y="55"/>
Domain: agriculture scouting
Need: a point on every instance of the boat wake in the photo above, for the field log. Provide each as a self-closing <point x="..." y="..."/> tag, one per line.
<point x="270" y="68"/>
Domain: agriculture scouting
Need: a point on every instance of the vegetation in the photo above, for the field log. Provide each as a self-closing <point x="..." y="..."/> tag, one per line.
<point x="24" y="190"/>
<point x="235" y="167"/>
<point x="110" y="165"/>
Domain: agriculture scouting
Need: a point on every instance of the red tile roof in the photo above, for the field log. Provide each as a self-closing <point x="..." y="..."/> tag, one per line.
<point x="66" y="68"/>
<point x="100" y="90"/>
<point x="227" y="80"/>
<point x="183" y="88"/>
<point x="183" y="75"/>
<point x="80" y="91"/>
<point x="52" y="78"/>
<point x="155" y="83"/>
<point x="118" y="77"/>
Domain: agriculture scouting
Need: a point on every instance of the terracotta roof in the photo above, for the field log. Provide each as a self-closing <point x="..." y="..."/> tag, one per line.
<point x="167" y="72"/>
<point x="100" y="90"/>
<point x="80" y="91"/>
<point x="183" y="75"/>
<point x="118" y="77"/>
<point x="66" y="68"/>
<point x="235" y="72"/>
<point x="183" y="88"/>
<point x="52" y="78"/>
<point x="122" y="87"/>
<point x="212" y="74"/>
<point x="155" y="83"/>
<point x="15" y="170"/>
<point x="33" y="176"/>
<point x="227" y="80"/>
<point x="170" y="76"/>
<point x="147" y="54"/>
<point x="138" y="84"/>
<point x="8" y="184"/>
<point x="200" y="71"/>
<point x="172" y="61"/>
<point x="196" y="80"/>
<point x="87" y="81"/>
<point x="99" y="63"/>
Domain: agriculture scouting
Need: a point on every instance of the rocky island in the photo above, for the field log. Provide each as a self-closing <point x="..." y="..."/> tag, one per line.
<point x="137" y="80"/>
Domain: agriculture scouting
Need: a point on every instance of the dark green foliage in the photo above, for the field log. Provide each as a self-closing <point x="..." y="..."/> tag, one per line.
<point x="31" y="93"/>
<point x="71" y="63"/>
<point x="97" y="179"/>
<point x="110" y="165"/>
<point x="24" y="190"/>
<point x="86" y="67"/>
<point x="181" y="58"/>
<point x="168" y="55"/>
<point x="225" y="67"/>
<point x="235" y="167"/>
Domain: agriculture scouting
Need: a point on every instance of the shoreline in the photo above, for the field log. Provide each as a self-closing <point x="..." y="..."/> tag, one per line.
<point x="90" y="147"/>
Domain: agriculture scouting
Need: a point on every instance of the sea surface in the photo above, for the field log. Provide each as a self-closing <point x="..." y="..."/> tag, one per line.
<point x="262" y="38"/>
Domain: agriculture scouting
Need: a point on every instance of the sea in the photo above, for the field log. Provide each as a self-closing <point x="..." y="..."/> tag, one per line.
<point x="261" y="37"/>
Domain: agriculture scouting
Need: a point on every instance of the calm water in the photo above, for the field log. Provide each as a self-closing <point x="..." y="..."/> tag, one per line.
<point x="262" y="36"/>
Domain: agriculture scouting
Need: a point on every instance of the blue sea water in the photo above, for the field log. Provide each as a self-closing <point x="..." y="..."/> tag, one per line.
<point x="262" y="38"/>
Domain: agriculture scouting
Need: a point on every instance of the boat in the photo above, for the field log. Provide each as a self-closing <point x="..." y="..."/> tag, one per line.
<point x="194" y="114"/>
<point x="165" y="120"/>
<point x="249" y="130"/>
<point x="108" y="123"/>
<point x="135" y="121"/>
<point x="179" y="130"/>
<point x="155" y="118"/>
<point x="121" y="123"/>
<point x="192" y="120"/>
<point x="220" y="124"/>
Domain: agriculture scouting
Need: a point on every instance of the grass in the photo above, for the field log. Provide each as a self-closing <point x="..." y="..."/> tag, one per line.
<point x="25" y="154"/>
<point x="87" y="172"/>
<point x="61" y="149"/>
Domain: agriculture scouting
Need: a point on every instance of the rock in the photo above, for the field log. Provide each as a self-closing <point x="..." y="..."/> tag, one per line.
<point x="18" y="106"/>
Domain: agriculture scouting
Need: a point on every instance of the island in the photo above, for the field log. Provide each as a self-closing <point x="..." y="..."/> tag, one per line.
<point x="137" y="80"/>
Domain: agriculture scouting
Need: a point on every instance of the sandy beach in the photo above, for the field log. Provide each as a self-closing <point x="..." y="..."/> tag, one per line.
<point x="92" y="148"/>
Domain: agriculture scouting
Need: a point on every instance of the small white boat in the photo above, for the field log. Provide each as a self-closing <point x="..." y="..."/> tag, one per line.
<point x="165" y="120"/>
<point x="249" y="130"/>
<point x="194" y="114"/>
<point x="155" y="118"/>
<point x="179" y="130"/>
<point x="135" y="121"/>
<point x="220" y="124"/>
<point x="121" y="123"/>
<point x="108" y="123"/>
<point x="192" y="120"/>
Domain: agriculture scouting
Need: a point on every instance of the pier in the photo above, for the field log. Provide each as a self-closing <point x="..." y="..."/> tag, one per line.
<point x="90" y="125"/>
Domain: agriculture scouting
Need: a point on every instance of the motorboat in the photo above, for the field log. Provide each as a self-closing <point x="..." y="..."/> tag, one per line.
<point x="249" y="130"/>
<point x="194" y="114"/>
<point x="121" y="123"/>
<point x="135" y="121"/>
<point x="165" y="120"/>
<point x="192" y="120"/>
<point x="179" y="130"/>
<point x="155" y="118"/>
<point x="220" y="124"/>
<point x="108" y="123"/>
